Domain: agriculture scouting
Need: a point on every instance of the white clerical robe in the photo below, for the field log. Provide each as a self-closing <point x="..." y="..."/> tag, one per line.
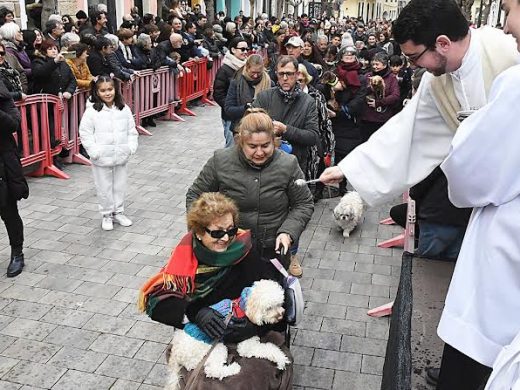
<point x="414" y="142"/>
<point x="482" y="310"/>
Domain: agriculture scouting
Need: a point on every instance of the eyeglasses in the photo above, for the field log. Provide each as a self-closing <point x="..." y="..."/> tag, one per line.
<point x="221" y="233"/>
<point x="242" y="49"/>
<point x="416" y="58"/>
<point x="284" y="75"/>
<point x="2" y="53"/>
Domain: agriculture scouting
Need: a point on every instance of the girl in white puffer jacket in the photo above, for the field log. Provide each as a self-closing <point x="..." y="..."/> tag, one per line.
<point x="107" y="131"/>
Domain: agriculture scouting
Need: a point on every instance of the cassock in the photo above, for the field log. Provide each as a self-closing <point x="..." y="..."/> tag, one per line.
<point x="482" y="310"/>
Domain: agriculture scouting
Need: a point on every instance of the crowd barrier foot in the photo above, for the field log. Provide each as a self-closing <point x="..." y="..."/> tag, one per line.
<point x="50" y="170"/>
<point x="142" y="130"/>
<point x="393" y="242"/>
<point x="78" y="158"/>
<point x="387" y="221"/>
<point x="186" y="111"/>
<point x="208" y="101"/>
<point x="381" y="311"/>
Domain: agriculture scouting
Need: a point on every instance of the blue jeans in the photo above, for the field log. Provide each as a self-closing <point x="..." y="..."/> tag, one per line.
<point x="228" y="134"/>
<point x="439" y="241"/>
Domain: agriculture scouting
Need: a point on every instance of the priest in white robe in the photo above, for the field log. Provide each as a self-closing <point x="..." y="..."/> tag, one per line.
<point x="409" y="146"/>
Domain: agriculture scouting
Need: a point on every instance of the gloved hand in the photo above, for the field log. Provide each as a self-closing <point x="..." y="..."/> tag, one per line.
<point x="239" y="330"/>
<point x="211" y="322"/>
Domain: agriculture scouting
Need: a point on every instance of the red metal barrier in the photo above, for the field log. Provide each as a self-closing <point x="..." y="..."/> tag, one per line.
<point x="40" y="114"/>
<point x="71" y="117"/>
<point x="194" y="84"/>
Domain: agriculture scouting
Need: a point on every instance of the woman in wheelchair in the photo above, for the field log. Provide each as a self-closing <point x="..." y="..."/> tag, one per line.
<point x="212" y="262"/>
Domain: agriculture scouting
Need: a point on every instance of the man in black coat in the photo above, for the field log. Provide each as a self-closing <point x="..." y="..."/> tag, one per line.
<point x="13" y="186"/>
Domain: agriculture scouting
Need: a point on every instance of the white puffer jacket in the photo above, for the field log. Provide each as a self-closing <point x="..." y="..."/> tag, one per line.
<point x="109" y="135"/>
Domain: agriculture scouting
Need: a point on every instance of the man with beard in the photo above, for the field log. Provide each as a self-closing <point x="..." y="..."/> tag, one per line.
<point x="482" y="306"/>
<point x="295" y="120"/>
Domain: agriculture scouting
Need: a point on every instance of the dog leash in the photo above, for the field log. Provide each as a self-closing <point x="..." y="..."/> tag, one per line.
<point x="196" y="371"/>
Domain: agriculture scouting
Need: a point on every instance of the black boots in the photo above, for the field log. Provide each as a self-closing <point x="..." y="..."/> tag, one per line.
<point x="15" y="266"/>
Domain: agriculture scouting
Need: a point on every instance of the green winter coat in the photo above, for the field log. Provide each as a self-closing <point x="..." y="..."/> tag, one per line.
<point x="269" y="201"/>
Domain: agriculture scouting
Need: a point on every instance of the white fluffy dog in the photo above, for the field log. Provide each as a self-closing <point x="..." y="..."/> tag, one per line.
<point x="349" y="212"/>
<point x="262" y="304"/>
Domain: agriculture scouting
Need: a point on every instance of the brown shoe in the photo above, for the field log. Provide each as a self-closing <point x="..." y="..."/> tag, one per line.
<point x="295" y="269"/>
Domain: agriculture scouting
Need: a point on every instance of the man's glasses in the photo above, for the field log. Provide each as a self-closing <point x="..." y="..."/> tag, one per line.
<point x="243" y="49"/>
<point x="284" y="75"/>
<point x="415" y="58"/>
<point x="218" y="234"/>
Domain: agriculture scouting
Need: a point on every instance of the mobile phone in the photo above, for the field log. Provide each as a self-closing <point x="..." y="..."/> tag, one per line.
<point x="68" y="54"/>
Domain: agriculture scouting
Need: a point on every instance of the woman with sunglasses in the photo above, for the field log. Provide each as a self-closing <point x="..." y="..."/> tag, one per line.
<point x="261" y="180"/>
<point x="215" y="261"/>
<point x="234" y="59"/>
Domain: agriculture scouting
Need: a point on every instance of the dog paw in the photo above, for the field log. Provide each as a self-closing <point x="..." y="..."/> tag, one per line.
<point x="283" y="363"/>
<point x="346" y="233"/>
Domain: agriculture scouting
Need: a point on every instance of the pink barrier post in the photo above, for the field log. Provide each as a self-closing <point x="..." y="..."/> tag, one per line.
<point x="71" y="117"/>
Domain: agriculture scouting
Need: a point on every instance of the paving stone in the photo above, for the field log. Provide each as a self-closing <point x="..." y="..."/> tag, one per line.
<point x="302" y="355"/>
<point x="363" y="345"/>
<point x="64" y="299"/>
<point x="125" y="368"/>
<point x="151" y="331"/>
<point x="32" y="350"/>
<point x="83" y="381"/>
<point x="6" y="364"/>
<point x="78" y="359"/>
<point x="351" y="380"/>
<point x="151" y="351"/>
<point x="103" y="306"/>
<point x="369" y="289"/>
<point x="348" y="299"/>
<point x="59" y="284"/>
<point x="310" y="322"/>
<point x="24" y="309"/>
<point x="71" y="337"/>
<point x="29" y="329"/>
<point x="158" y="376"/>
<point x="372" y="365"/>
<point x="320" y="378"/>
<point x="87" y="262"/>
<point x="116" y="345"/>
<point x="325" y="310"/>
<point x="377" y="330"/>
<point x="373" y="268"/>
<point x="97" y="290"/>
<point x="25" y="293"/>
<point x="6" y="341"/>
<point x="337" y="360"/>
<point x="122" y="384"/>
<point x="108" y="324"/>
<point x="346" y="327"/>
<point x="121" y="280"/>
<point x="9" y="386"/>
<point x="34" y="374"/>
<point x="315" y="296"/>
<point x="5" y="320"/>
<point x="309" y="338"/>
<point x="330" y="285"/>
<point x="67" y="317"/>
<point x="27" y="277"/>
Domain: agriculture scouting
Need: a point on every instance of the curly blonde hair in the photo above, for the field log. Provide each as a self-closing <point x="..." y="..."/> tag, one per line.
<point x="208" y="207"/>
<point x="255" y="120"/>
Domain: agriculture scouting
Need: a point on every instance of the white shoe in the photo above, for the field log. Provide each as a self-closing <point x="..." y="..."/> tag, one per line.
<point x="122" y="219"/>
<point x="106" y="223"/>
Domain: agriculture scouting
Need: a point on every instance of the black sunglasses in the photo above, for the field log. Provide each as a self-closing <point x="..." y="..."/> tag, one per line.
<point x="243" y="48"/>
<point x="2" y="53"/>
<point x="221" y="233"/>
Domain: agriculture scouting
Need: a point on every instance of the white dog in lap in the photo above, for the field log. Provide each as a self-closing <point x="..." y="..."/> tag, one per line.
<point x="261" y="304"/>
<point x="349" y="212"/>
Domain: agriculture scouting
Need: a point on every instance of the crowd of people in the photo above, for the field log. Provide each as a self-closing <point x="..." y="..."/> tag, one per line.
<point x="343" y="100"/>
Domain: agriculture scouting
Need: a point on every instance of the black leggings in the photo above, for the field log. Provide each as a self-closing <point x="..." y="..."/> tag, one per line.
<point x="13" y="224"/>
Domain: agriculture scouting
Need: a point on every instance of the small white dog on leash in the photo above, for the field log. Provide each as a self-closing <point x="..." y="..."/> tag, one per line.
<point x="262" y="304"/>
<point x="349" y="212"/>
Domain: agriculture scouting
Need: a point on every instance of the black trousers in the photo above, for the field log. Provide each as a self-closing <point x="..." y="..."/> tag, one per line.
<point x="13" y="224"/>
<point x="460" y="372"/>
<point x="369" y="128"/>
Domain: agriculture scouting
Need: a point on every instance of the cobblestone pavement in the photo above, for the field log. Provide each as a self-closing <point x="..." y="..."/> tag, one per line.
<point x="69" y="321"/>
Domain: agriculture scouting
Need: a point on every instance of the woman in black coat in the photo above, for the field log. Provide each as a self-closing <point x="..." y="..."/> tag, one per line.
<point x="233" y="60"/>
<point x="13" y="186"/>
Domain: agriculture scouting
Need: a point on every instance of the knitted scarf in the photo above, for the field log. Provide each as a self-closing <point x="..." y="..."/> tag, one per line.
<point x="246" y="84"/>
<point x="193" y="271"/>
<point x="232" y="61"/>
<point x="289" y="96"/>
<point x="348" y="73"/>
<point x="11" y="76"/>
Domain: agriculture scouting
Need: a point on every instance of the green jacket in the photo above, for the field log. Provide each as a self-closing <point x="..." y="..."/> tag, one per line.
<point x="267" y="198"/>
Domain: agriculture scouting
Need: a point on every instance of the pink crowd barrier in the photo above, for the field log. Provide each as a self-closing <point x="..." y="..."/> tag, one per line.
<point x="195" y="84"/>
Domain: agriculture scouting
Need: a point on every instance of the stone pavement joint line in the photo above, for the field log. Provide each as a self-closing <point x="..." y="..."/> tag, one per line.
<point x="70" y="321"/>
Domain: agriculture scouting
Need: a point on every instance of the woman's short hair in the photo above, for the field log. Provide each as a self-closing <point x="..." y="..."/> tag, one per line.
<point x="8" y="31"/>
<point x="254" y="60"/>
<point x="114" y="40"/>
<point x="381" y="57"/>
<point x="254" y="121"/>
<point x="46" y="45"/>
<point x="233" y="44"/>
<point x="69" y="39"/>
<point x="303" y="70"/>
<point x="230" y="26"/>
<point x="208" y="207"/>
<point x="143" y="39"/>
